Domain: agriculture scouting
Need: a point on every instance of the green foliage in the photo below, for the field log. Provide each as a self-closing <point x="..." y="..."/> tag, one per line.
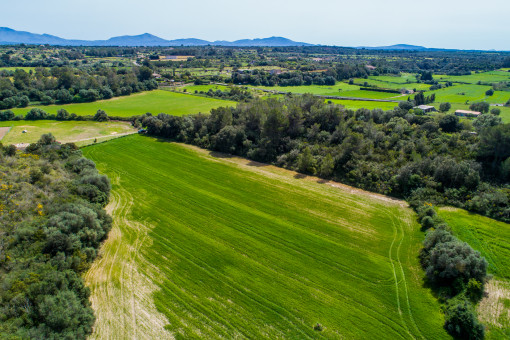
<point x="100" y="116"/>
<point x="53" y="235"/>
<point x="445" y="107"/>
<point x="461" y="320"/>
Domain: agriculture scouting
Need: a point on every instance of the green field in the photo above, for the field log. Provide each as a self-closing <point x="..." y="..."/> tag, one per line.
<point x="155" y="102"/>
<point x="474" y="78"/>
<point x="320" y="90"/>
<point x="238" y="249"/>
<point x="83" y="132"/>
<point x="358" y="104"/>
<point x="492" y="239"/>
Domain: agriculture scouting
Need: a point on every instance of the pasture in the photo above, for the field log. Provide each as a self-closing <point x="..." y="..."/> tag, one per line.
<point x="82" y="132"/>
<point x="359" y="104"/>
<point x="210" y="246"/>
<point x="155" y="102"/>
<point x="492" y="239"/>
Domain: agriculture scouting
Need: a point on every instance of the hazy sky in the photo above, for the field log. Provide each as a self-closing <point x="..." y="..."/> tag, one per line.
<point x="463" y="24"/>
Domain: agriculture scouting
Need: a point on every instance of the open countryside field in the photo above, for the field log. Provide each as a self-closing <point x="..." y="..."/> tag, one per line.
<point x="469" y="93"/>
<point x="474" y="78"/>
<point x="235" y="248"/>
<point x="137" y="104"/>
<point x="359" y="104"/>
<point x="70" y="131"/>
<point x="492" y="239"/>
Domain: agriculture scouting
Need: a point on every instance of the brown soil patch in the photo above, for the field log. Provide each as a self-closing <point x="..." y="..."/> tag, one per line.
<point x="3" y="131"/>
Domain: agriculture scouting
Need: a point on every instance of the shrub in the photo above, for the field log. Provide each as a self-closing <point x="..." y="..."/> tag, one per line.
<point x="318" y="327"/>
<point x="461" y="321"/>
<point x="100" y="116"/>
<point x="452" y="260"/>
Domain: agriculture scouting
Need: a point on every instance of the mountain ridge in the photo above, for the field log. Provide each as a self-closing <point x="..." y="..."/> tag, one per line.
<point x="11" y="36"/>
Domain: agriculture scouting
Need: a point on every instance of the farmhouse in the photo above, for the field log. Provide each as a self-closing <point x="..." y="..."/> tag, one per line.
<point x="466" y="113"/>
<point x="425" y="108"/>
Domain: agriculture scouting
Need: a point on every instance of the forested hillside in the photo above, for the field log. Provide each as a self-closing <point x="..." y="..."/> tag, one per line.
<point x="52" y="222"/>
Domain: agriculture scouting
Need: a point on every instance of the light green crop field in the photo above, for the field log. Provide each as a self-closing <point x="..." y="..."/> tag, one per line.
<point x="374" y="81"/>
<point x="65" y="132"/>
<point x="474" y="78"/>
<point x="155" y="102"/>
<point x="461" y="94"/>
<point x="372" y="95"/>
<point x="26" y="69"/>
<point x="359" y="104"/>
<point x="492" y="239"/>
<point x="321" y="90"/>
<point x="204" y="88"/>
<point x="228" y="248"/>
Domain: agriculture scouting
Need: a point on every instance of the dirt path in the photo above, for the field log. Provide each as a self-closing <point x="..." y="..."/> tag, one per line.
<point x="122" y="282"/>
<point x="3" y="131"/>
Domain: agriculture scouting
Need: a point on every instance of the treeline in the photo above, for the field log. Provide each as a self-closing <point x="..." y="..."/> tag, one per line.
<point x="298" y="78"/>
<point x="71" y="85"/>
<point x="432" y="159"/>
<point x="234" y="93"/>
<point x="52" y="223"/>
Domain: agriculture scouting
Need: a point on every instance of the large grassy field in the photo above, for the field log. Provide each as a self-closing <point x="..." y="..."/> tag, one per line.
<point x="82" y="133"/>
<point x="228" y="248"/>
<point x="492" y="239"/>
<point x="137" y="104"/>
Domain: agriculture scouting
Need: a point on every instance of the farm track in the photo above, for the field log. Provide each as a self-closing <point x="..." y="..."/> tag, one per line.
<point x="240" y="249"/>
<point x="122" y="291"/>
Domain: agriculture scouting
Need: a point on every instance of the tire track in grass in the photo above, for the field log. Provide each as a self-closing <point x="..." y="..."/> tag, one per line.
<point x="398" y="227"/>
<point x="121" y="294"/>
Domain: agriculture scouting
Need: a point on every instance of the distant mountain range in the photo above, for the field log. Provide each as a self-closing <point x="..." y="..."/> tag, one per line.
<point x="9" y="36"/>
<point x="399" y="47"/>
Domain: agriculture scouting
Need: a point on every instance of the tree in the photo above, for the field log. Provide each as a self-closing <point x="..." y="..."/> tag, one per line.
<point x="36" y="114"/>
<point x="145" y="73"/>
<point x="62" y="114"/>
<point x="489" y="92"/>
<point x="495" y="111"/>
<point x="480" y="106"/>
<point x="327" y="166"/>
<point x="100" y="116"/>
<point x="461" y="321"/>
<point x="484" y="121"/>
<point x="454" y="260"/>
<point x="445" y="107"/>
<point x="449" y="123"/>
<point x="306" y="162"/>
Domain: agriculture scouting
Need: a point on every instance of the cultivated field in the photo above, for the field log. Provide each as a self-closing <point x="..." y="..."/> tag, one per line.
<point x="82" y="132"/>
<point x="137" y="104"/>
<point x="492" y="239"/>
<point x="235" y="248"/>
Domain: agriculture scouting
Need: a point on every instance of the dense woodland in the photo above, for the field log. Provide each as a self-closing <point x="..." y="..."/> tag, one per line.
<point x="64" y="85"/>
<point x="52" y="222"/>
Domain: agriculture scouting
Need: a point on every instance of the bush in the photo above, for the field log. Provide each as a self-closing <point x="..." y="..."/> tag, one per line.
<point x="455" y="260"/>
<point x="445" y="107"/>
<point x="495" y="111"/>
<point x="36" y="114"/>
<point x="100" y="116"/>
<point x="461" y="321"/>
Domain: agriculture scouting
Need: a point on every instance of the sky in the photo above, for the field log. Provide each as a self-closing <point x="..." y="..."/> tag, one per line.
<point x="459" y="24"/>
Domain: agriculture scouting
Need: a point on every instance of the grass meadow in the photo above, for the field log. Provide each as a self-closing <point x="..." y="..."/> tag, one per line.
<point x="155" y="102"/>
<point x="82" y="132"/>
<point x="492" y="239"/>
<point x="239" y="249"/>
